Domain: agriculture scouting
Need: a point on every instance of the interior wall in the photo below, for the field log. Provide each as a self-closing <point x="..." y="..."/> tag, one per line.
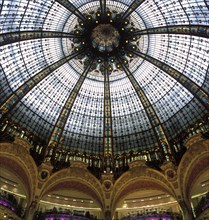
<point x="146" y="201"/>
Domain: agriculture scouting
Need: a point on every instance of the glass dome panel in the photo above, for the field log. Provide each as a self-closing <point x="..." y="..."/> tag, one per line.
<point x="175" y="108"/>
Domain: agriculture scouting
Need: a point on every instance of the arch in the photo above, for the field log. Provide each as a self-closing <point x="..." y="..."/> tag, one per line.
<point x="141" y="184"/>
<point x="16" y="168"/>
<point x="199" y="186"/>
<point x="193" y="164"/>
<point x="140" y="178"/>
<point x="196" y="170"/>
<point x="18" y="161"/>
<point x="74" y="178"/>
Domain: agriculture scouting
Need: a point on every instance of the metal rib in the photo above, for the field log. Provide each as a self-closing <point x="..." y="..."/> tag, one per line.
<point x="103" y="4"/>
<point x="12" y="37"/>
<point x="194" y="30"/>
<point x="134" y="5"/>
<point x="12" y="101"/>
<point x="62" y="119"/>
<point x="151" y="114"/>
<point x="74" y="10"/>
<point x="199" y="93"/>
<point x="108" y="140"/>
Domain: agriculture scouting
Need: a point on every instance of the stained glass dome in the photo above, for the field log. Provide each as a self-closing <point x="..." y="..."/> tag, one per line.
<point x="149" y="83"/>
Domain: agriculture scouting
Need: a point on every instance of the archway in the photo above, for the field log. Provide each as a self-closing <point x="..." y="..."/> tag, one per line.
<point x="144" y="202"/>
<point x="17" y="161"/>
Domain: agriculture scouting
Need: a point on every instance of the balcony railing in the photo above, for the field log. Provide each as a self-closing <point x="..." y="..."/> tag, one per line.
<point x="9" y="201"/>
<point x="60" y="157"/>
<point x="154" y="216"/>
<point x="202" y="205"/>
<point x="63" y="215"/>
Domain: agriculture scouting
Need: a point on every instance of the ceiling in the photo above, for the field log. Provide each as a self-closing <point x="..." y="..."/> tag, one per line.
<point x="175" y="106"/>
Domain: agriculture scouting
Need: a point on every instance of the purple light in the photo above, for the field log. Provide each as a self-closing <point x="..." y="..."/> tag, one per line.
<point x="7" y="204"/>
<point x="64" y="217"/>
<point x="152" y="218"/>
<point x="4" y="203"/>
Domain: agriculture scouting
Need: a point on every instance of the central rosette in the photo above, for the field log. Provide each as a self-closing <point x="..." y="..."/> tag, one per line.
<point x="105" y="38"/>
